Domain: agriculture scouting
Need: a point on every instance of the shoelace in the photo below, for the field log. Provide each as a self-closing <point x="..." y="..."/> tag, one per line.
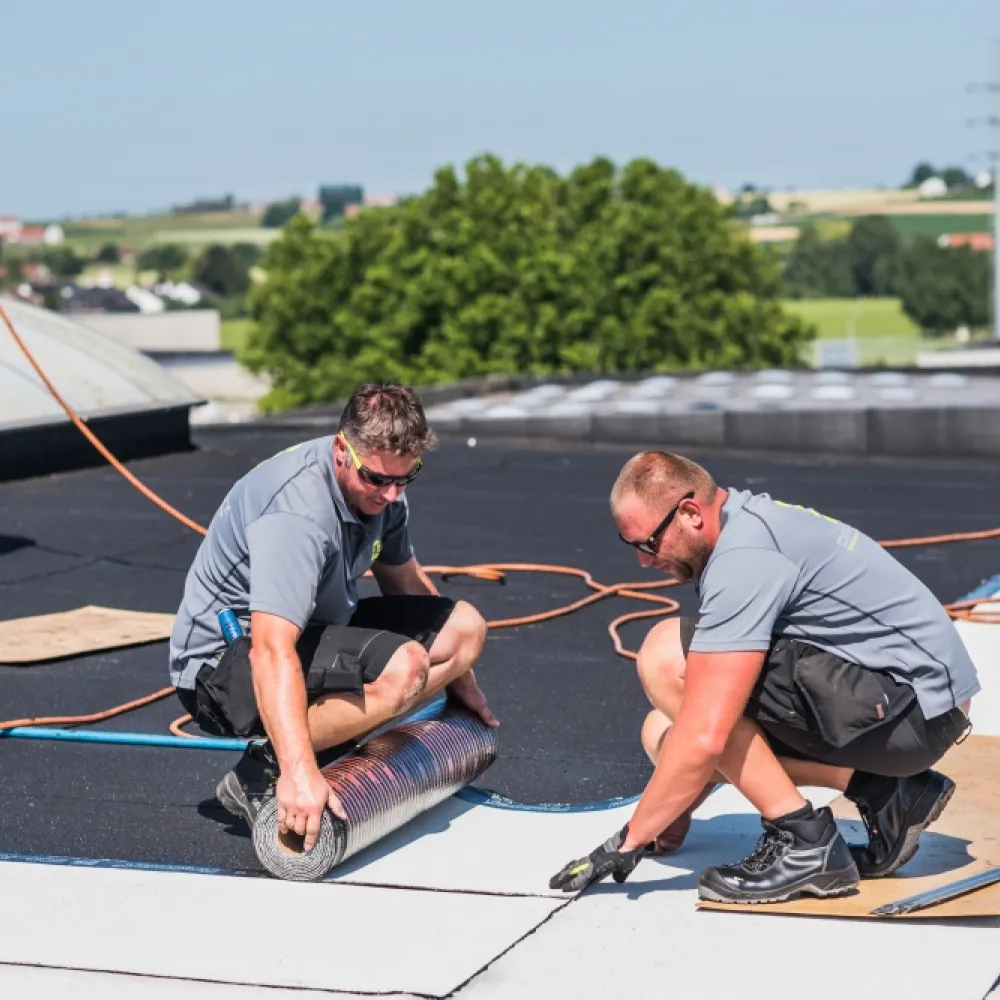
<point x="868" y="818"/>
<point x="770" y="845"/>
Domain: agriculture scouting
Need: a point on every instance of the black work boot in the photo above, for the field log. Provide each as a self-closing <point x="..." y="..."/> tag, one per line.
<point x="799" y="853"/>
<point x="895" y="812"/>
<point x="243" y="790"/>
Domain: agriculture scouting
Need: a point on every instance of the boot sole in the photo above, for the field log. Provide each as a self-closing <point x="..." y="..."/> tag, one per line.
<point x="827" y="885"/>
<point x="910" y="843"/>
<point x="232" y="798"/>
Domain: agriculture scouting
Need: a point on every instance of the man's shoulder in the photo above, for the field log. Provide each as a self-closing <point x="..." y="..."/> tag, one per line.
<point x="751" y="520"/>
<point x="293" y="481"/>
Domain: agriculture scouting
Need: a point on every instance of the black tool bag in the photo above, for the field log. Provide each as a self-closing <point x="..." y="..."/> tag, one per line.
<point x="809" y="689"/>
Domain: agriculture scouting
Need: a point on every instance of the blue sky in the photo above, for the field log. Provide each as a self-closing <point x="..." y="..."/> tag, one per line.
<point x="114" y="105"/>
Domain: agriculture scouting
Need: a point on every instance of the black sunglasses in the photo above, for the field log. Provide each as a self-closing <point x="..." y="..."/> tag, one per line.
<point x="651" y="544"/>
<point x="380" y="478"/>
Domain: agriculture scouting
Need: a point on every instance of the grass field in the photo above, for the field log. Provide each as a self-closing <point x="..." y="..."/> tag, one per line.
<point x="234" y="333"/>
<point x="840" y="318"/>
<point x="909" y="226"/>
<point x="228" y="236"/>
<point x="141" y="232"/>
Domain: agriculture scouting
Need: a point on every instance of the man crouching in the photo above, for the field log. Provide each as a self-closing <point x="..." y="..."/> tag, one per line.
<point x="816" y="659"/>
<point x="318" y="667"/>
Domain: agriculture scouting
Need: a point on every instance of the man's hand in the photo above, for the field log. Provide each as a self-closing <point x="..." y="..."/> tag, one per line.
<point x="302" y="794"/>
<point x="466" y="690"/>
<point x="606" y="860"/>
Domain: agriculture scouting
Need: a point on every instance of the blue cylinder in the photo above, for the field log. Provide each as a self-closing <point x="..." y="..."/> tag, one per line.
<point x="230" y="625"/>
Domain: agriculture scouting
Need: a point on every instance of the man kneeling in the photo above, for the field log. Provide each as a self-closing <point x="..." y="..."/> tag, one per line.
<point x="816" y="659"/>
<point x="319" y="668"/>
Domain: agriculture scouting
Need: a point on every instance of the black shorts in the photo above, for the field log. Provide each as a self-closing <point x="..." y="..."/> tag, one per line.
<point x="335" y="659"/>
<point x="813" y="705"/>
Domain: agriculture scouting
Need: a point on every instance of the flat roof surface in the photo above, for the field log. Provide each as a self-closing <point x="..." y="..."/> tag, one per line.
<point x="165" y="915"/>
<point x="570" y="708"/>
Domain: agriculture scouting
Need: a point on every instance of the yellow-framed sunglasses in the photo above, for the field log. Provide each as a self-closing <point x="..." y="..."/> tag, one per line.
<point x="380" y="479"/>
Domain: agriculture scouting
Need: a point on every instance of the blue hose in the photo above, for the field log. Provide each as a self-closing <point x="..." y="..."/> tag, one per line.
<point x="129" y="739"/>
<point x="470" y="794"/>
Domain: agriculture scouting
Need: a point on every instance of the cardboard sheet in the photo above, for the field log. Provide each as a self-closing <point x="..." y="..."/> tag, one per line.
<point x="963" y="842"/>
<point x="82" y="630"/>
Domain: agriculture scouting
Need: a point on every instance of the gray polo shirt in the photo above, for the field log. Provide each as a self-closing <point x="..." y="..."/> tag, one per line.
<point x="790" y="571"/>
<point x="284" y="541"/>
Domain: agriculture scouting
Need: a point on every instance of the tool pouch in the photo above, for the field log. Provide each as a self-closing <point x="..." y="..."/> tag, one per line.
<point x="818" y="692"/>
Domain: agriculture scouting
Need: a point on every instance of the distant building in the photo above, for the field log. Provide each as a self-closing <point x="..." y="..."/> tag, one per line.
<point x="10" y="228"/>
<point x="371" y="201"/>
<point x="975" y="241"/>
<point x="76" y="299"/>
<point x="933" y="187"/>
<point x="37" y="236"/>
<point x="180" y="291"/>
<point x="36" y="273"/>
<point x="147" y="302"/>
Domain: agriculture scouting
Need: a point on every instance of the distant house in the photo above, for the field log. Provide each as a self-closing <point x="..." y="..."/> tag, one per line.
<point x="39" y="236"/>
<point x="10" y="228"/>
<point x="933" y="187"/>
<point x="36" y="273"/>
<point x="974" y="241"/>
<point x="76" y="299"/>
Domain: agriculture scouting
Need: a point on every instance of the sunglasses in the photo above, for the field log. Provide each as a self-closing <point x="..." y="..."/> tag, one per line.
<point x="366" y="475"/>
<point x="651" y="544"/>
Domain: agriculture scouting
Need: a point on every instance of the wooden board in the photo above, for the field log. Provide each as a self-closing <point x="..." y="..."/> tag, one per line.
<point x="963" y="842"/>
<point x="82" y="630"/>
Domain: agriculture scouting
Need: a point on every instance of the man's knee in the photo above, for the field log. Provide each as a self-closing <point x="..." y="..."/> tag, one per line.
<point x="462" y="638"/>
<point x="405" y="676"/>
<point x="661" y="659"/>
<point x="654" y="730"/>
<point x="470" y="626"/>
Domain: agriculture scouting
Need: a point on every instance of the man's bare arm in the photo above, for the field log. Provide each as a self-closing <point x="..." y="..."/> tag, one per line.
<point x="406" y="578"/>
<point x="280" y="688"/>
<point x="716" y="689"/>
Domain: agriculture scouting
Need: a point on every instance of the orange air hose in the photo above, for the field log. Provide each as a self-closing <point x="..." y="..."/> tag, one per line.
<point x="492" y="572"/>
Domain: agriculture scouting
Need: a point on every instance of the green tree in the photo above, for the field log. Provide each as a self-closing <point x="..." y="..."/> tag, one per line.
<point x="279" y="212"/>
<point x="63" y="261"/>
<point x="748" y="207"/>
<point x="818" y="268"/>
<point x="107" y="254"/>
<point x="874" y="251"/>
<point x="221" y="270"/>
<point x="921" y="173"/>
<point x="942" y="289"/>
<point x="246" y="254"/>
<point x="336" y="197"/>
<point x="516" y="269"/>
<point x="164" y="258"/>
<point x="956" y="177"/>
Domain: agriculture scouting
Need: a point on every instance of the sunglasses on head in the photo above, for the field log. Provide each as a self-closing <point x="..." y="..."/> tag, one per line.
<point x="651" y="544"/>
<point x="366" y="475"/>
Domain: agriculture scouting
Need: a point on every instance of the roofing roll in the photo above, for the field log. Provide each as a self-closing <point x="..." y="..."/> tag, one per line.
<point x="384" y="784"/>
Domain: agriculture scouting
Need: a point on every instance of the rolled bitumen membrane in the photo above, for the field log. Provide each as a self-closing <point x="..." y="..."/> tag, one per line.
<point x="385" y="783"/>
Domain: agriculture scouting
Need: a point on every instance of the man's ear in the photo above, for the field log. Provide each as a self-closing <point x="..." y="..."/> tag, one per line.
<point x="694" y="512"/>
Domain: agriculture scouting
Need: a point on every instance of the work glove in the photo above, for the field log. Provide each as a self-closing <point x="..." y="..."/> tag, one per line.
<point x="600" y="863"/>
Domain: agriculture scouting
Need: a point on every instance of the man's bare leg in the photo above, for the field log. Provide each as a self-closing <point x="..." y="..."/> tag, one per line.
<point x="411" y="676"/>
<point x="748" y="761"/>
<point x="804" y="773"/>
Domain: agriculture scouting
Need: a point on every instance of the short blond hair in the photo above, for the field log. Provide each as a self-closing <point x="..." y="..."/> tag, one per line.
<point x="659" y="478"/>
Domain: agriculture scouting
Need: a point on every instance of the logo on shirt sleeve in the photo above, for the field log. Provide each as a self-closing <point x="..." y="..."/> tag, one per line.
<point x="376" y="549"/>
